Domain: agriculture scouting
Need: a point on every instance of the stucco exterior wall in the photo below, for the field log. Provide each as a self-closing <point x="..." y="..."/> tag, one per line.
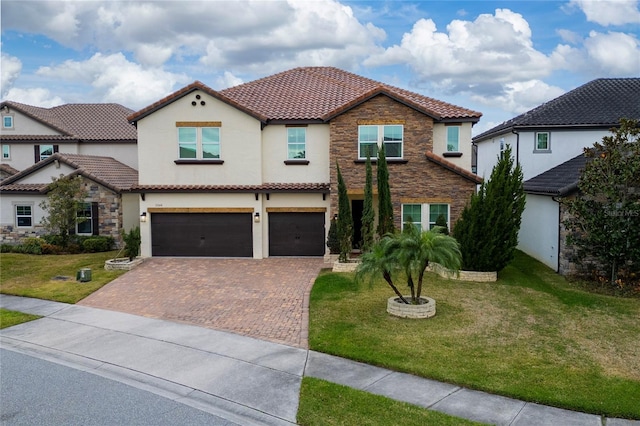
<point x="240" y="145"/>
<point x="538" y="236"/>
<point x="25" y="125"/>
<point x="274" y="143"/>
<point x="45" y="174"/>
<point x="464" y="143"/>
<point x="126" y="153"/>
<point x="9" y="231"/>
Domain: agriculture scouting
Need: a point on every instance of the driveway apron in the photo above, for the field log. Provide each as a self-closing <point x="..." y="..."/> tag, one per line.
<point x="263" y="298"/>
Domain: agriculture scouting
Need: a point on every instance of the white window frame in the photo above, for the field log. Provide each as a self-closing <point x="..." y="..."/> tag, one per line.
<point x="456" y="147"/>
<point x="537" y="148"/>
<point x="200" y="143"/>
<point x="6" y="152"/>
<point x="89" y="219"/>
<point x="379" y="140"/>
<point x="294" y="133"/>
<point x="4" y="118"/>
<point x="30" y="215"/>
<point x="425" y="215"/>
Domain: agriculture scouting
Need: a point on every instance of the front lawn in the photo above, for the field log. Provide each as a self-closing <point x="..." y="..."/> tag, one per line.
<point x="530" y="336"/>
<point x="10" y="318"/>
<point x="34" y="275"/>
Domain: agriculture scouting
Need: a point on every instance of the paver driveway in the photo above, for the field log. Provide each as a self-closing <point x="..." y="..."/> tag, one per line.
<point x="263" y="298"/>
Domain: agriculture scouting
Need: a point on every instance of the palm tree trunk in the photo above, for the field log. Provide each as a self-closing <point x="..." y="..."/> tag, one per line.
<point x="420" y="278"/>
<point x="412" y="287"/>
<point x="387" y="278"/>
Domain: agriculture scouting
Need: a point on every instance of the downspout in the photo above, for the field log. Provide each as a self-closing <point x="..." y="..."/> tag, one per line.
<point x="557" y="200"/>
<point x="515" y="132"/>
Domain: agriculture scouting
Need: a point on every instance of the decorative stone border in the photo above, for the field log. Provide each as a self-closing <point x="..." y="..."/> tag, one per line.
<point x="396" y="308"/>
<point x="331" y="258"/>
<point x="122" y="264"/>
<point x="349" y="266"/>
<point x="483" y="277"/>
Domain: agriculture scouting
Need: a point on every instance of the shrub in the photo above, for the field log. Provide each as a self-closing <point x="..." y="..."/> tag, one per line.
<point x="32" y="245"/>
<point x="97" y="244"/>
<point x="332" y="239"/>
<point x="132" y="242"/>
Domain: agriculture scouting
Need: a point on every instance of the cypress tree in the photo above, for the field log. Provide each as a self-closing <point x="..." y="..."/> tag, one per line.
<point x="345" y="221"/>
<point x="368" y="215"/>
<point x="488" y="227"/>
<point x="385" y="208"/>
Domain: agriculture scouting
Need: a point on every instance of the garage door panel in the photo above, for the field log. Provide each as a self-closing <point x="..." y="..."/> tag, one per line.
<point x="202" y="234"/>
<point x="296" y="234"/>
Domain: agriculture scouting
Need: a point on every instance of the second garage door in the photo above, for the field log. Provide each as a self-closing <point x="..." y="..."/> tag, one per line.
<point x="202" y="234"/>
<point x="296" y="234"/>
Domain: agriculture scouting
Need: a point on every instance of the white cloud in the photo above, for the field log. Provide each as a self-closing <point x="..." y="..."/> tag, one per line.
<point x="612" y="54"/>
<point x="609" y="12"/>
<point x="115" y="79"/>
<point x="519" y="97"/>
<point x="36" y="96"/>
<point x="228" y="80"/>
<point x="492" y="49"/>
<point x="11" y="67"/>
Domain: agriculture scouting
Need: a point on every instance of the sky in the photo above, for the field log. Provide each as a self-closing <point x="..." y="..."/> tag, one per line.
<point x="501" y="58"/>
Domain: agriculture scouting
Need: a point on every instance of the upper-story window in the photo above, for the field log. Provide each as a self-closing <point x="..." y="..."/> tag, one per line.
<point x="543" y="141"/>
<point x="7" y="122"/>
<point x="296" y="143"/>
<point x="370" y="137"/>
<point x="453" y="138"/>
<point x="6" y="152"/>
<point x="44" y="151"/>
<point x="199" y="142"/>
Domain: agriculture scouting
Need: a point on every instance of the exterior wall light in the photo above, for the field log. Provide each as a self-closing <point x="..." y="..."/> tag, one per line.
<point x="143" y="217"/>
<point x="256" y="217"/>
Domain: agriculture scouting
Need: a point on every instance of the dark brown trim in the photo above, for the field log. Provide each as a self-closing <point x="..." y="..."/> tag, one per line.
<point x="389" y="161"/>
<point x="296" y="125"/>
<point x="296" y="162"/>
<point x="452" y="154"/>
<point x="200" y="209"/>
<point x="199" y="161"/>
<point x="95" y="222"/>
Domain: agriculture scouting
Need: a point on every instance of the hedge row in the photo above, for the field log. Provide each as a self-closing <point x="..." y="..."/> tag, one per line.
<point x="51" y="244"/>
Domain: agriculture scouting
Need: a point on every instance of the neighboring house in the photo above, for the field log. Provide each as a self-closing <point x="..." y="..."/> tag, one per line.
<point x="30" y="134"/>
<point x="108" y="207"/>
<point x="250" y="171"/>
<point x="548" y="142"/>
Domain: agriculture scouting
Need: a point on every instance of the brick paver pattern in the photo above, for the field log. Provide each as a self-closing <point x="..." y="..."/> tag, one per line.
<point x="263" y="298"/>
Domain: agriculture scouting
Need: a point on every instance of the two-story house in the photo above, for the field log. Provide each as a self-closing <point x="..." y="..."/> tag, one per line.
<point x="92" y="140"/>
<point x="250" y="171"/>
<point x="548" y="142"/>
<point x="30" y="134"/>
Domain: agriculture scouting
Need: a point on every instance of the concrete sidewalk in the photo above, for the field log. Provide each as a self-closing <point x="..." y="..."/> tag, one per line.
<point x="242" y="379"/>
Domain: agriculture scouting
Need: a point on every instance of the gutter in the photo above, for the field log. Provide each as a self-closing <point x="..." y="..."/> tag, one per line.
<point x="557" y="200"/>
<point x="515" y="132"/>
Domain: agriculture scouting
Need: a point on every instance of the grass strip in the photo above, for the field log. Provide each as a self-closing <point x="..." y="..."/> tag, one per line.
<point x="10" y="318"/>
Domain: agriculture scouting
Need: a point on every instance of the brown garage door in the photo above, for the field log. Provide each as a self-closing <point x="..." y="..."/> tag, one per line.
<point x="201" y="234"/>
<point x="296" y="234"/>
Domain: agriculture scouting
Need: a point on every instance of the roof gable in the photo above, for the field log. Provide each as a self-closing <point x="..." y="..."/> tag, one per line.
<point x="87" y="122"/>
<point x="599" y="103"/>
<point x="453" y="168"/>
<point x="103" y="170"/>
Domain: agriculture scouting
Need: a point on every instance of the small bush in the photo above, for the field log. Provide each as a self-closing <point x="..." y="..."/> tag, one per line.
<point x="97" y="244"/>
<point x="32" y="245"/>
<point x="51" y="249"/>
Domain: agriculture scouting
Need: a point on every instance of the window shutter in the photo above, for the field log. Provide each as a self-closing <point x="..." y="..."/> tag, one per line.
<point x="55" y="149"/>
<point x="95" y="223"/>
<point x="36" y="152"/>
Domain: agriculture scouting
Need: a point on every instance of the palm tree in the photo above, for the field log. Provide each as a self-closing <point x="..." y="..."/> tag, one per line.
<point x="410" y="252"/>
<point x="381" y="260"/>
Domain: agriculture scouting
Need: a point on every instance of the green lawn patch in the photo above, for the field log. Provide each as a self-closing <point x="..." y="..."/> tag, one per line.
<point x="39" y="276"/>
<point x="530" y="336"/>
<point x="326" y="404"/>
<point x="10" y="318"/>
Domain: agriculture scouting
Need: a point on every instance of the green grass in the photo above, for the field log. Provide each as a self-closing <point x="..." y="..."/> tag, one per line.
<point x="10" y="318"/>
<point x="530" y="336"/>
<point x="32" y="275"/>
<point x="326" y="404"/>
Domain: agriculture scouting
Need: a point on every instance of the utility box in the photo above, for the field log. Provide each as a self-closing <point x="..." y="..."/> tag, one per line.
<point x="84" y="275"/>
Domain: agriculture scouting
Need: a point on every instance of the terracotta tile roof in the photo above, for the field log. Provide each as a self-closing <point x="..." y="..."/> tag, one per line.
<point x="452" y="167"/>
<point x="103" y="170"/>
<point x="53" y="138"/>
<point x="5" y="168"/>
<point x="560" y="180"/>
<point x="599" y="103"/>
<point x="24" y="187"/>
<point x="267" y="187"/>
<point x="313" y="93"/>
<point x="87" y="122"/>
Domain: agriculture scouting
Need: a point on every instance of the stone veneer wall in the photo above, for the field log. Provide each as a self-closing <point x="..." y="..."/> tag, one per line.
<point x="109" y="217"/>
<point x="417" y="181"/>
